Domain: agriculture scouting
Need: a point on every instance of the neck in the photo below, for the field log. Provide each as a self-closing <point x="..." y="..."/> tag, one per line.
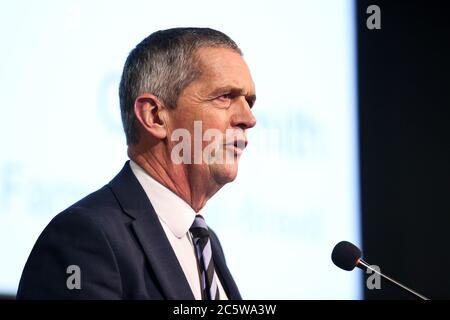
<point x="175" y="177"/>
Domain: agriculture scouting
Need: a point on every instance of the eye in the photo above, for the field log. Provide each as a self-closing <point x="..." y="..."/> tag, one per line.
<point x="225" y="97"/>
<point x="224" y="100"/>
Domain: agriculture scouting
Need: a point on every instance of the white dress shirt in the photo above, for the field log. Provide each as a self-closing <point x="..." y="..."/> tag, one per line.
<point x="176" y="217"/>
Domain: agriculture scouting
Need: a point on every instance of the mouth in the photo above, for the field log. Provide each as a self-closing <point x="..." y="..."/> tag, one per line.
<point x="237" y="146"/>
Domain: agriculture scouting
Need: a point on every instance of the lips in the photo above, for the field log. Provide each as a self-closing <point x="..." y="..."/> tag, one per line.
<point x="238" y="145"/>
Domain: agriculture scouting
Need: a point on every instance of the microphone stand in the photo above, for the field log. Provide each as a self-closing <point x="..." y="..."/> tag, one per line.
<point x="364" y="266"/>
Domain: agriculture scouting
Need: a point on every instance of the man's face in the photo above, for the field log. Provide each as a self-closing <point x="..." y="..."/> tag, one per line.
<point x="221" y="99"/>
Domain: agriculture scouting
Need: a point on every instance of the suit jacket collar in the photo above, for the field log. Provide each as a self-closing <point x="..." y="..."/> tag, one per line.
<point x="151" y="236"/>
<point x="135" y="203"/>
<point x="222" y="270"/>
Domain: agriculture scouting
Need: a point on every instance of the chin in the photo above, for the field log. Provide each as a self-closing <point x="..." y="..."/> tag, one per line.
<point x="225" y="173"/>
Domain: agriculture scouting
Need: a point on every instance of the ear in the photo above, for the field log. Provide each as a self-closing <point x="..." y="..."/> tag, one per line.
<point x="148" y="110"/>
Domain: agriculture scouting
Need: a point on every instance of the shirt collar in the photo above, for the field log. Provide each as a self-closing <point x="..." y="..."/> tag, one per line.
<point x="170" y="208"/>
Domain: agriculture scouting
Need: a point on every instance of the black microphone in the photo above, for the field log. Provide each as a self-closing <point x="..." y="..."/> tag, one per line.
<point x="347" y="256"/>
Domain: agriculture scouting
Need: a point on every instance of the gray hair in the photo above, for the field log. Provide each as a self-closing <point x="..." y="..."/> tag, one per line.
<point x="164" y="64"/>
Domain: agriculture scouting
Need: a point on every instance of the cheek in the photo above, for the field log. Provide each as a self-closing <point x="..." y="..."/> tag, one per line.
<point x="215" y="125"/>
<point x="181" y="120"/>
<point x="216" y="119"/>
<point x="208" y="122"/>
<point x="214" y="130"/>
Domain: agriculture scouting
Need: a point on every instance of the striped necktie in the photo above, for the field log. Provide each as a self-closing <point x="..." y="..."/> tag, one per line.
<point x="202" y="243"/>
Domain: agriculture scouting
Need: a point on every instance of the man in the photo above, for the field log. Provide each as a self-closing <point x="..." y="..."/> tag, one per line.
<point x="142" y="235"/>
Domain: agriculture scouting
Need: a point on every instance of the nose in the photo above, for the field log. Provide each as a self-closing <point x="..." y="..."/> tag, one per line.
<point x="243" y="116"/>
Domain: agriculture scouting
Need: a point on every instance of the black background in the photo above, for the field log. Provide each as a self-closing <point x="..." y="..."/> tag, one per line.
<point x="404" y="122"/>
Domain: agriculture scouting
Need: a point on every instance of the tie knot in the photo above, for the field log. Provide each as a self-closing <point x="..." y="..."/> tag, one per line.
<point x="199" y="229"/>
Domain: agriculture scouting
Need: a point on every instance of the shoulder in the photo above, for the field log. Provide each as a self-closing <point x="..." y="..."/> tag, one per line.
<point x="81" y="236"/>
<point x="98" y="210"/>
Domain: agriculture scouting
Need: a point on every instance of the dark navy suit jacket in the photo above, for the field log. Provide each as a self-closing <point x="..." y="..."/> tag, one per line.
<point x="116" y="239"/>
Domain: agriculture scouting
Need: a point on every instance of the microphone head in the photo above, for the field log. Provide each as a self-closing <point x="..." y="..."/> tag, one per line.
<point x="345" y="255"/>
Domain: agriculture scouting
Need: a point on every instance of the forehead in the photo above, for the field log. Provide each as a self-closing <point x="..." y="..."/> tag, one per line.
<point x="224" y="67"/>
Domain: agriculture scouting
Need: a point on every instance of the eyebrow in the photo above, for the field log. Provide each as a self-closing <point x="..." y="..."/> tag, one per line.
<point x="235" y="91"/>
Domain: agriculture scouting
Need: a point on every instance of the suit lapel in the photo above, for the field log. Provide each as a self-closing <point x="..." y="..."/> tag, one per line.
<point x="163" y="260"/>
<point x="223" y="272"/>
<point x="151" y="235"/>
